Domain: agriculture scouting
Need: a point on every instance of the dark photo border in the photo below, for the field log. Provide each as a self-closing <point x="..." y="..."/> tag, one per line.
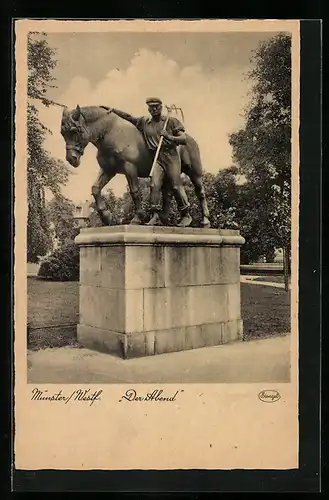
<point x="307" y="477"/>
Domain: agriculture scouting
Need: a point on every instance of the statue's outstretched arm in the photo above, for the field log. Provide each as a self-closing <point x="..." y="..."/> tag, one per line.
<point x="125" y="116"/>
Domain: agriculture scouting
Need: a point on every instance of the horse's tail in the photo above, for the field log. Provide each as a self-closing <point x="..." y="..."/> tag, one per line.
<point x="194" y="154"/>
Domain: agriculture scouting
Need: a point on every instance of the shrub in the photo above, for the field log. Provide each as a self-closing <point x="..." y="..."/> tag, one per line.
<point x="61" y="265"/>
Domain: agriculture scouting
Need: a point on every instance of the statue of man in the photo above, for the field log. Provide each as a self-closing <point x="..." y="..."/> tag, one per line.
<point x="168" y="162"/>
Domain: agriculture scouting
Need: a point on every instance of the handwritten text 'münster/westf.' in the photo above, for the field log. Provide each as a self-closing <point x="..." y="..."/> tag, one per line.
<point x="79" y="395"/>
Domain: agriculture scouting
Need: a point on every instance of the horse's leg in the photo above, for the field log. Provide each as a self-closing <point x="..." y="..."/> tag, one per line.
<point x="173" y="170"/>
<point x="132" y="179"/>
<point x="196" y="179"/>
<point x="101" y="181"/>
<point x="192" y="166"/>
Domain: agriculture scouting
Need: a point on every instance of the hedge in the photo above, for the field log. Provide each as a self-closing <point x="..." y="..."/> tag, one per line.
<point x="61" y="265"/>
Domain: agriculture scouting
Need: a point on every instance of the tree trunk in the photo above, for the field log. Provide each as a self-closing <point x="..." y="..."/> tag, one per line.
<point x="286" y="268"/>
<point x="270" y="256"/>
<point x="289" y="260"/>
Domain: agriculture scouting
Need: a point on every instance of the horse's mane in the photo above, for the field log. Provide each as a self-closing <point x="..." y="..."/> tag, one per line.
<point x="92" y="112"/>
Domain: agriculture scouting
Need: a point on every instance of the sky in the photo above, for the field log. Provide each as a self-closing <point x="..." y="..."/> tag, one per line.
<point x="204" y="73"/>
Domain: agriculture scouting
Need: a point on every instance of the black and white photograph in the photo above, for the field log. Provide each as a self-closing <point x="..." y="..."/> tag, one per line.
<point x="159" y="192"/>
<point x="161" y="217"/>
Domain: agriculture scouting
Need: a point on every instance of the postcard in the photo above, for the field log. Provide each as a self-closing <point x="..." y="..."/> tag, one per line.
<point x="156" y="244"/>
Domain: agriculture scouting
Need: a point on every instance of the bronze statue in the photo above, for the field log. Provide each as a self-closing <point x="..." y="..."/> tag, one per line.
<point x="126" y="146"/>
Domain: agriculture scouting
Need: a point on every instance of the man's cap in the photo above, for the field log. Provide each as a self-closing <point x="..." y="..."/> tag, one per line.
<point x="153" y="100"/>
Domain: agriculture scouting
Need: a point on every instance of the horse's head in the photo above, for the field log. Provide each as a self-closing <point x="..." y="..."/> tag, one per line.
<point x="75" y="134"/>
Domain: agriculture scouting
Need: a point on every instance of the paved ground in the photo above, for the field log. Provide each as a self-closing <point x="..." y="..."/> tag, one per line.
<point x="266" y="360"/>
<point x="251" y="280"/>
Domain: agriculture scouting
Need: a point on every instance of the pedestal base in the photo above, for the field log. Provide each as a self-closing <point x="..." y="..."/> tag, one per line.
<point x="133" y="345"/>
<point x="149" y="290"/>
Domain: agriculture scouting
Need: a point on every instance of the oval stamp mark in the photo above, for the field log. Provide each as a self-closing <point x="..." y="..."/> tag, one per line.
<point x="269" y="396"/>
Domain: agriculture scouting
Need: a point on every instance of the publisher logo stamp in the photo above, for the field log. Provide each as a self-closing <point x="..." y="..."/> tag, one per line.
<point x="269" y="396"/>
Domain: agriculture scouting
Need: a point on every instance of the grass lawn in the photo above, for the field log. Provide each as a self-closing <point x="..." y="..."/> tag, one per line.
<point x="50" y="304"/>
<point x="265" y="312"/>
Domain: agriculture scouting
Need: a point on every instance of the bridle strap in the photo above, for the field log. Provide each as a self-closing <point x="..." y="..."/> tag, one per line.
<point x="75" y="148"/>
<point x="83" y="116"/>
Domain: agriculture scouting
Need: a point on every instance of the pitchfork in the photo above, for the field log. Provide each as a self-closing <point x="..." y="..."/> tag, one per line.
<point x="170" y="109"/>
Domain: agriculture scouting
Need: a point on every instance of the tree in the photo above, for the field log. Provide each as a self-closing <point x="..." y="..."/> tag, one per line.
<point x="253" y="216"/>
<point x="262" y="149"/>
<point x="113" y="204"/>
<point x="43" y="171"/>
<point x="61" y="214"/>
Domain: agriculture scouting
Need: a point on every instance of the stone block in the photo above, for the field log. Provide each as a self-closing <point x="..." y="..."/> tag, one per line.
<point x="113" y="267"/>
<point x="231" y="331"/>
<point x="102" y="308"/>
<point x="167" y="308"/>
<point x="90" y="266"/>
<point x="212" y="332"/>
<point x="136" y="346"/>
<point x="208" y="304"/>
<point x="195" y="337"/>
<point x="204" y="265"/>
<point x="144" y="267"/>
<point x="239" y="329"/>
<point x="107" y="308"/>
<point x="224" y="264"/>
<point x="187" y="266"/>
<point x="234" y="301"/>
<point x="171" y="340"/>
<point x="101" y="340"/>
<point x="134" y="311"/>
<point x="184" y="306"/>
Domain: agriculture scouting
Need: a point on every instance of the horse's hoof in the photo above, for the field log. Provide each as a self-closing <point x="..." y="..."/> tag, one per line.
<point x="106" y="218"/>
<point x="135" y="222"/>
<point x="138" y="219"/>
<point x="155" y="221"/>
<point x="186" y="221"/>
<point x="107" y="221"/>
<point x="205" y="224"/>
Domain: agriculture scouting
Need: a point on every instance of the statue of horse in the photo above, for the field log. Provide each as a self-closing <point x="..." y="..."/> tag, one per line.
<point x="121" y="149"/>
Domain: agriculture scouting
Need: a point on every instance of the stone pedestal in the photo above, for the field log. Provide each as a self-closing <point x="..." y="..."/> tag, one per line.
<point x="151" y="290"/>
